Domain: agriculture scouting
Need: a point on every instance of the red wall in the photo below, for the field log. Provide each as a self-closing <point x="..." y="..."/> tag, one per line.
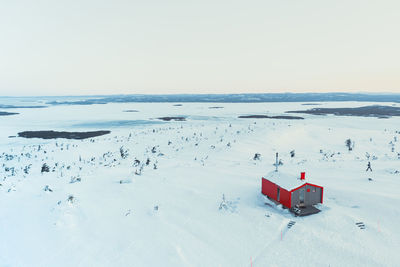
<point x="268" y="188"/>
<point x="285" y="198"/>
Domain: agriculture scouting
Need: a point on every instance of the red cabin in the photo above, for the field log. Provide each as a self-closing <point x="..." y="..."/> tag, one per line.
<point x="292" y="192"/>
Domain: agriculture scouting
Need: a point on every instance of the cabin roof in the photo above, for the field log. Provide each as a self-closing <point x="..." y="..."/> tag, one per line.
<point x="285" y="180"/>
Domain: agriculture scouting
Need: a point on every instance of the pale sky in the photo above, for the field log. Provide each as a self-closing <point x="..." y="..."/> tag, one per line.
<point x="73" y="47"/>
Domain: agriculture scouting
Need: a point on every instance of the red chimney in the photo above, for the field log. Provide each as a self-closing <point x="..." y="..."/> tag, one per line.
<point x="303" y="176"/>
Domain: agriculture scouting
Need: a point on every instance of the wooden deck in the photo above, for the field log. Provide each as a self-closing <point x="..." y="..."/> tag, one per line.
<point x="298" y="211"/>
<point x="304" y="211"/>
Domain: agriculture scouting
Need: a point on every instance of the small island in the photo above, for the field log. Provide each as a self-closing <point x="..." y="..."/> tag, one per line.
<point x="366" y="111"/>
<point x="3" y="113"/>
<point x="66" y="135"/>
<point x="172" y="118"/>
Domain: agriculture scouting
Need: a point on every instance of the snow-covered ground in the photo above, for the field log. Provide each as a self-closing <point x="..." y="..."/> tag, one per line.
<point x="158" y="204"/>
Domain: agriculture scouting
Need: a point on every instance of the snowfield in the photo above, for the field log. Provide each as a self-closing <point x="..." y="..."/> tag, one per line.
<point x="188" y="193"/>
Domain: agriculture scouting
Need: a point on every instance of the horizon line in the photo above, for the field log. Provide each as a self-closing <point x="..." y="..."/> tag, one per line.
<point x="216" y="94"/>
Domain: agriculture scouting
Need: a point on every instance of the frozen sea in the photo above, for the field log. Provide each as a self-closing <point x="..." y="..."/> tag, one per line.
<point x="106" y="209"/>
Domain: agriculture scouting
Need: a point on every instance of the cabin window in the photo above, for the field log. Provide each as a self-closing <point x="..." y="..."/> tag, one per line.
<point x="314" y="190"/>
<point x="278" y="194"/>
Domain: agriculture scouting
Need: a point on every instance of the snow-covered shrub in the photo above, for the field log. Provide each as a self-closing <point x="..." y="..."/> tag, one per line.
<point x="223" y="204"/>
<point x="75" y="179"/>
<point x="228" y="205"/>
<point x="123" y="152"/>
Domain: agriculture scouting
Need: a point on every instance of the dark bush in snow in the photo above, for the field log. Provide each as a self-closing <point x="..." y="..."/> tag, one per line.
<point x="27" y="168"/>
<point x="71" y="199"/>
<point x="45" y="168"/>
<point x="47" y="188"/>
<point x="349" y="144"/>
<point x="136" y="163"/>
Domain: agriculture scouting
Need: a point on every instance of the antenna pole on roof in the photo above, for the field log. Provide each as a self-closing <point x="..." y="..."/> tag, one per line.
<point x="276" y="162"/>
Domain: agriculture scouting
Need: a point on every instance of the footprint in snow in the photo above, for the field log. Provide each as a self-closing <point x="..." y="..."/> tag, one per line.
<point x="360" y="225"/>
<point x="291" y="224"/>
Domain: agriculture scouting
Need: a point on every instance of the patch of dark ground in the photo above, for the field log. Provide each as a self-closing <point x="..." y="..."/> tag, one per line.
<point x="66" y="135"/>
<point x="270" y="117"/>
<point x="215" y="107"/>
<point x="367" y="111"/>
<point x="3" y="113"/>
<point x="178" y="105"/>
<point x="131" y="110"/>
<point x="172" y="118"/>
<point x="311" y="104"/>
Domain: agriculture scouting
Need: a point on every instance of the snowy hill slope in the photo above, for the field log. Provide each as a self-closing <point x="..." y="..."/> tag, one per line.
<point x="149" y="194"/>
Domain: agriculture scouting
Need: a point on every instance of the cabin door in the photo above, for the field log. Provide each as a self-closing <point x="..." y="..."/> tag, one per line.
<point x="278" y="197"/>
<point x="302" y="192"/>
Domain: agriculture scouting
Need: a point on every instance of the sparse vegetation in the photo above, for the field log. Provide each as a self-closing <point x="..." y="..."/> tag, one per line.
<point x="45" y="168"/>
<point x="349" y="144"/>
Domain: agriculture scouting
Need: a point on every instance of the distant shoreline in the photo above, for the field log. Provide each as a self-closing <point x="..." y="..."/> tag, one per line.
<point x="178" y="99"/>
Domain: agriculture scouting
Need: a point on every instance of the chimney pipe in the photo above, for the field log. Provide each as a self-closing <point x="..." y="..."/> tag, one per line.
<point x="303" y="176"/>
